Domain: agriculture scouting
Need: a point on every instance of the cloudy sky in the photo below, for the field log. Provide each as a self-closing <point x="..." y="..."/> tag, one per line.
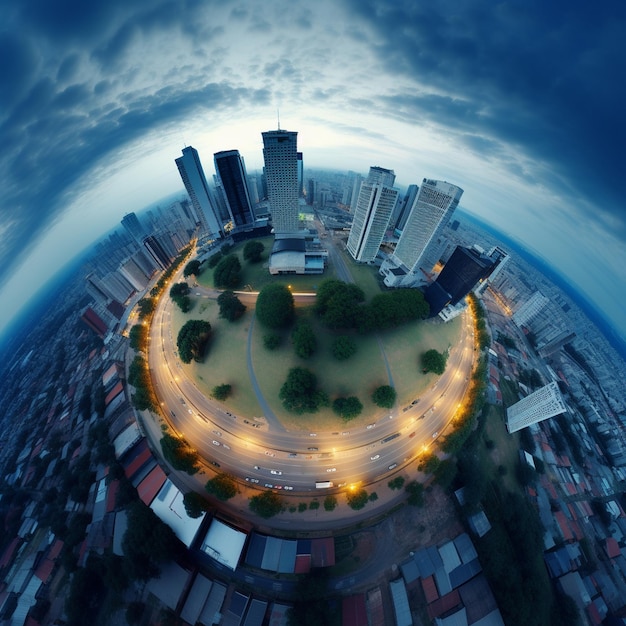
<point x="519" y="103"/>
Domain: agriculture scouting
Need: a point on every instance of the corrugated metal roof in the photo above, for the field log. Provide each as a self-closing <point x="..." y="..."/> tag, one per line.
<point x="449" y="556"/>
<point x="287" y="561"/>
<point x="430" y="589"/>
<point x="256" y="613"/>
<point x="195" y="599"/>
<point x="400" y="603"/>
<point x="271" y="555"/>
<point x="465" y="548"/>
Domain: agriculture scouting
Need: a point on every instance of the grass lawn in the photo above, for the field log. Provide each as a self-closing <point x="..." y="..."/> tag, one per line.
<point x="226" y="360"/>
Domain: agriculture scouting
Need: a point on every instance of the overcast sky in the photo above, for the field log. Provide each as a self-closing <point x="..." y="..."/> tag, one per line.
<point x="521" y="104"/>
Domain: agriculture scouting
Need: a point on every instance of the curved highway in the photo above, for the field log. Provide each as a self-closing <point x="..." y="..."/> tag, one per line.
<point x="267" y="456"/>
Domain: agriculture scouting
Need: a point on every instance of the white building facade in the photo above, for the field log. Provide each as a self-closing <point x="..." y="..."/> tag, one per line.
<point x="540" y="405"/>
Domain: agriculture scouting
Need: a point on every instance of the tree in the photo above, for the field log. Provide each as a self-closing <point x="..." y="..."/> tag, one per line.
<point x="192" y="339"/>
<point x="396" y="483"/>
<point x="266" y="504"/>
<point x="147" y="542"/>
<point x="347" y="408"/>
<point x="343" y="348"/>
<point x="228" y="272"/>
<point x="384" y="396"/>
<point x="330" y="503"/>
<point x="337" y="303"/>
<point x="275" y="306"/>
<point x="433" y="361"/>
<point x="299" y="392"/>
<point x="178" y="454"/>
<point x="303" y="338"/>
<point x="214" y="259"/>
<point x="222" y="486"/>
<point x="272" y="341"/>
<point x="138" y="337"/>
<point x="192" y="268"/>
<point x="231" y="307"/>
<point x="195" y="504"/>
<point x="146" y="307"/>
<point x="221" y="392"/>
<point x="415" y="491"/>
<point x="357" y="499"/>
<point x="179" y="293"/>
<point x="252" y="251"/>
<point x="428" y="463"/>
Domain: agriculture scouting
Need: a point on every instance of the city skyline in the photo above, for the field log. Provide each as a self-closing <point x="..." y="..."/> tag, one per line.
<point x="98" y="99"/>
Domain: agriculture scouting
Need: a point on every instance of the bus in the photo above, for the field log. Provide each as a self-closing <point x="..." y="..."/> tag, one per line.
<point x="323" y="484"/>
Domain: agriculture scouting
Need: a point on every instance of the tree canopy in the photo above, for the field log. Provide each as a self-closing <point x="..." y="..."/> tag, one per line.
<point x="348" y="408"/>
<point x="433" y="361"/>
<point x="178" y="454"/>
<point x="221" y="392"/>
<point x="337" y="303"/>
<point x="252" y="251"/>
<point x="275" y="306"/>
<point x="192" y="339"/>
<point x="192" y="268"/>
<point x="138" y="337"/>
<point x="299" y="392"/>
<point x="266" y="504"/>
<point x="384" y="396"/>
<point x="228" y="272"/>
<point x="222" y="486"/>
<point x="179" y="293"/>
<point x="303" y="338"/>
<point x="231" y="307"/>
<point x="343" y="348"/>
<point x="195" y="505"/>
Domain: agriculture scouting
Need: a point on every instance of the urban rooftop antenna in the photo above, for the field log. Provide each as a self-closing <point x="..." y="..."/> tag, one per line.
<point x="278" y="116"/>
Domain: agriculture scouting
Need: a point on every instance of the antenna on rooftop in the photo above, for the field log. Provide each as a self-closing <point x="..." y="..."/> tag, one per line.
<point x="278" y="116"/>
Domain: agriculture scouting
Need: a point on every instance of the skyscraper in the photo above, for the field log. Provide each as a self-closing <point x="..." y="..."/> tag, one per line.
<point x="530" y="309"/>
<point x="375" y="203"/>
<point x="417" y="247"/>
<point x="540" y="405"/>
<point x="230" y="169"/>
<point x="405" y="209"/>
<point x="157" y="252"/>
<point x="280" y="154"/>
<point x="300" y="175"/>
<point x="133" y="227"/>
<point x="192" y="175"/>
<point x="463" y="270"/>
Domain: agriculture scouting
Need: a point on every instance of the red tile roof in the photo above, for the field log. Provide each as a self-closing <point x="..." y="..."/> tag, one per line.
<point x="150" y="485"/>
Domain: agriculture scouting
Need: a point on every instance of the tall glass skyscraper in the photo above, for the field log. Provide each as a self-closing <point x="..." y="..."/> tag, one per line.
<point x="280" y="153"/>
<point x="427" y="218"/>
<point x="375" y="203"/>
<point x="230" y="169"/>
<point x="192" y="174"/>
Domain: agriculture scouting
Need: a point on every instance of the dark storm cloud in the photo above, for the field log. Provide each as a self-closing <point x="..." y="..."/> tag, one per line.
<point x="544" y="77"/>
<point x="17" y="65"/>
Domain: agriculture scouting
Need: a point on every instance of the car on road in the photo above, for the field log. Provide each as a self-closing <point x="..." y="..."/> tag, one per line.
<point x="331" y="469"/>
<point x="293" y="455"/>
<point x="215" y="463"/>
<point x="190" y="411"/>
<point x="345" y="432"/>
<point x="257" y="467"/>
<point x="376" y="456"/>
<point x="312" y="449"/>
<point x="370" y="426"/>
<point x="312" y="434"/>
<point x="252" y="480"/>
<point x="269" y="453"/>
<point x="276" y="472"/>
<point x="412" y="434"/>
<point x="216" y="443"/>
<point x="393" y="466"/>
<point x="435" y="433"/>
<point x="288" y="488"/>
<point x="269" y="485"/>
<point x="278" y="486"/>
<point x="226" y="447"/>
<point x="217" y="432"/>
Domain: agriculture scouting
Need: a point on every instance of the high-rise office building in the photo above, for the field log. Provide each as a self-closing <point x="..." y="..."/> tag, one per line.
<point x="463" y="270"/>
<point x="405" y="207"/>
<point x="133" y="227"/>
<point x="530" y="309"/>
<point x="500" y="258"/>
<point x="231" y="171"/>
<point x="280" y="154"/>
<point x="419" y="245"/>
<point x="157" y="252"/>
<point x="431" y="211"/>
<point x="300" y="175"/>
<point x="375" y="203"/>
<point x="538" y="406"/>
<point x="192" y="175"/>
